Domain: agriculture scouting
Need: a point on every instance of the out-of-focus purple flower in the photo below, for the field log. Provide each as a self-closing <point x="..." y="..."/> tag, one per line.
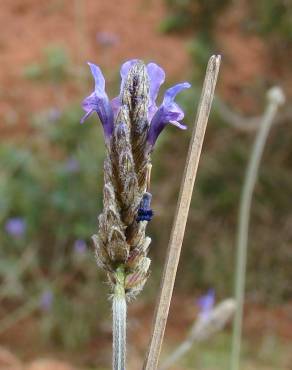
<point x="16" y="227"/>
<point x="206" y="304"/>
<point x="54" y="114"/>
<point x="98" y="102"/>
<point x="106" y="38"/>
<point x="72" y="165"/>
<point x="46" y="300"/>
<point x="80" y="246"/>
<point x="159" y="117"/>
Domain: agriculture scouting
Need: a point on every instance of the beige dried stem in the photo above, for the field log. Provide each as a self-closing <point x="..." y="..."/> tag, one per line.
<point x="178" y="229"/>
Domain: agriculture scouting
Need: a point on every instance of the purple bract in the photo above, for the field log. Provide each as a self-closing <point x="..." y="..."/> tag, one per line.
<point x="159" y="117"/>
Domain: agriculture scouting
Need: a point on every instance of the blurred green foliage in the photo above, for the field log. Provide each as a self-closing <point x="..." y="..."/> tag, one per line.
<point x="271" y="19"/>
<point x="274" y="17"/>
<point x="53" y="67"/>
<point x="199" y="16"/>
<point x="265" y="16"/>
<point x="52" y="180"/>
<point x="269" y="353"/>
<point x="192" y="14"/>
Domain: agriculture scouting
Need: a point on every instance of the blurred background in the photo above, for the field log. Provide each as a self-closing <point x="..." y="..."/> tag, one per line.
<point x="54" y="301"/>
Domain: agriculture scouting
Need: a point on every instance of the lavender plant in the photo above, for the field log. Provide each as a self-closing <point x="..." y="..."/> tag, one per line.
<point x="131" y="123"/>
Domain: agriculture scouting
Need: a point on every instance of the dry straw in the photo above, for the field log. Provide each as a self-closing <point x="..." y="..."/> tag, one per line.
<point x="178" y="229"/>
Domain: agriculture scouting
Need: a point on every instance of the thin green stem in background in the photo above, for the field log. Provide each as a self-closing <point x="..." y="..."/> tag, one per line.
<point x="275" y="98"/>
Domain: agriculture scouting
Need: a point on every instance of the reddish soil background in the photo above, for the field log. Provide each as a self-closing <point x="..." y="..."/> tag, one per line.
<point x="29" y="26"/>
<point x="38" y="355"/>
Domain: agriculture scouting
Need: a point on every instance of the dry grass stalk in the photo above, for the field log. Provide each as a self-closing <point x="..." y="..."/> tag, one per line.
<point x="177" y="234"/>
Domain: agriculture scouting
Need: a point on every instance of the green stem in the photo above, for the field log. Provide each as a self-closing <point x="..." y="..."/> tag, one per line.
<point x="119" y="321"/>
<point x="276" y="98"/>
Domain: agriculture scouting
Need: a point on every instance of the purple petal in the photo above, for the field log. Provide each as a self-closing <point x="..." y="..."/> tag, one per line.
<point x="179" y="125"/>
<point x="98" y="78"/>
<point x="86" y="115"/>
<point x="156" y="78"/>
<point x="116" y="102"/>
<point x="168" y="112"/>
<point x="98" y="102"/>
<point x="116" y="105"/>
<point x="126" y="67"/>
<point x="172" y="92"/>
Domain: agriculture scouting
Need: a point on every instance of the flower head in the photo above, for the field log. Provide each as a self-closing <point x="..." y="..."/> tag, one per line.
<point x="158" y="117"/>
<point x="206" y="304"/>
<point x="132" y="122"/>
<point x="15" y="226"/>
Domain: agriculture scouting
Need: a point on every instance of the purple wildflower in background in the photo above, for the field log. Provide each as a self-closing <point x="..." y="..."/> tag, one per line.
<point x="159" y="117"/>
<point x="105" y="38"/>
<point x="54" y="114"/>
<point x="15" y="227"/>
<point x="46" y="300"/>
<point x="72" y="165"/>
<point x="206" y="304"/>
<point x="80" y="246"/>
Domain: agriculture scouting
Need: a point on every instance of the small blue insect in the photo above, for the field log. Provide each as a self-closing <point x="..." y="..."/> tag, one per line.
<point x="145" y="212"/>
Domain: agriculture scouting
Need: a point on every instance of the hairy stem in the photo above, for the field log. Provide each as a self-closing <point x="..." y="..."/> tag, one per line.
<point x="119" y="322"/>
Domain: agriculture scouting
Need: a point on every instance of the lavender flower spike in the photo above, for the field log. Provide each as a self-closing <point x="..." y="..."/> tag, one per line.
<point x="168" y="112"/>
<point x="99" y="102"/>
<point x="132" y="122"/>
